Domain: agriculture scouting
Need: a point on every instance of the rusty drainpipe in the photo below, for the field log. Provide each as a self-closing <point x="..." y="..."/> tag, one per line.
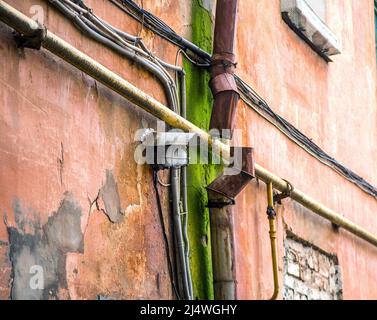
<point x="221" y="198"/>
<point x="222" y="192"/>
<point x="223" y="84"/>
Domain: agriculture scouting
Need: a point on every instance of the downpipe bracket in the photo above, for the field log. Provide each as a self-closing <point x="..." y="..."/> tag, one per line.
<point x="218" y="204"/>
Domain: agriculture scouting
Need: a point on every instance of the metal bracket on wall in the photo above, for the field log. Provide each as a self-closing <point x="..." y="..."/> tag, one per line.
<point x="278" y="197"/>
<point x="32" y="41"/>
<point x="218" y="204"/>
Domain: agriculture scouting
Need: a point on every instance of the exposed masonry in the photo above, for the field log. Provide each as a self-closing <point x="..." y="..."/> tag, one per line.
<point x="309" y="272"/>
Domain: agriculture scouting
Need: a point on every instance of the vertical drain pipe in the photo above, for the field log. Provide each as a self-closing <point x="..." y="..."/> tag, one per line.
<point x="223" y="84"/>
<point x="222" y="246"/>
<point x="221" y="195"/>
<point x="222" y="191"/>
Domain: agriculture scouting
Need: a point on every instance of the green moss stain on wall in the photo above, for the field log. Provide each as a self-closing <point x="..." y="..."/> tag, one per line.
<point x="199" y="107"/>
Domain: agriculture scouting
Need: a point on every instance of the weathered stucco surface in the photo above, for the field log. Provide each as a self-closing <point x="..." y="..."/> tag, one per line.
<point x="67" y="148"/>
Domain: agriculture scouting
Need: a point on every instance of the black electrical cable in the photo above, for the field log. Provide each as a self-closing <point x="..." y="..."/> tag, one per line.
<point x="161" y="28"/>
<point x="248" y="94"/>
<point x="85" y="25"/>
<point x="301" y="139"/>
<point x="165" y="236"/>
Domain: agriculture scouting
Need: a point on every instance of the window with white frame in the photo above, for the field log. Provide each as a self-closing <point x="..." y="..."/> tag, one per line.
<point x="319" y="7"/>
<point x="308" y="18"/>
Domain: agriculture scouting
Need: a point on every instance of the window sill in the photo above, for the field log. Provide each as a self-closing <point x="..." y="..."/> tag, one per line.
<point x="303" y="20"/>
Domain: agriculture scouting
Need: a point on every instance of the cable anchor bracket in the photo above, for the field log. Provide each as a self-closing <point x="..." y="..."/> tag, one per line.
<point x="278" y="197"/>
<point x="33" y="40"/>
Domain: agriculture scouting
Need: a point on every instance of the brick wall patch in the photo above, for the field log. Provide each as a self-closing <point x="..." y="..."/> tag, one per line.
<point x="309" y="272"/>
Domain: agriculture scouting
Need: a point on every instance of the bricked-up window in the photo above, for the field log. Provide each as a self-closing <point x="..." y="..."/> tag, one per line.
<point x="308" y="18"/>
<point x="309" y="272"/>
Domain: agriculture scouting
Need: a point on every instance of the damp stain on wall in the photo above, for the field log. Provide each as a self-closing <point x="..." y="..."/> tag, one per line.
<point x="199" y="101"/>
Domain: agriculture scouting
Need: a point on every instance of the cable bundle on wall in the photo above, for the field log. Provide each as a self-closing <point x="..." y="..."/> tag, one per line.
<point x="129" y="46"/>
<point x="253" y="100"/>
<point x="159" y="27"/>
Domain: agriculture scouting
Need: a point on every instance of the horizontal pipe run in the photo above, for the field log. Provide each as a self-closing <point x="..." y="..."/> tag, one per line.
<point x="59" y="47"/>
<point x="313" y="205"/>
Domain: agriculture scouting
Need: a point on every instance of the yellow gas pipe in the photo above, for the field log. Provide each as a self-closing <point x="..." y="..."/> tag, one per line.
<point x="273" y="236"/>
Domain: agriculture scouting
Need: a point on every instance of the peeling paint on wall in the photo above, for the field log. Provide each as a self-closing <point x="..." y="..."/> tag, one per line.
<point x="31" y="244"/>
<point x="110" y="196"/>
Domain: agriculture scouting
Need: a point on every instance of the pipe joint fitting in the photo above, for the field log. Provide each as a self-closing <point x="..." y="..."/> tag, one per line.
<point x="223" y="82"/>
<point x="229" y="186"/>
<point x="271" y="213"/>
